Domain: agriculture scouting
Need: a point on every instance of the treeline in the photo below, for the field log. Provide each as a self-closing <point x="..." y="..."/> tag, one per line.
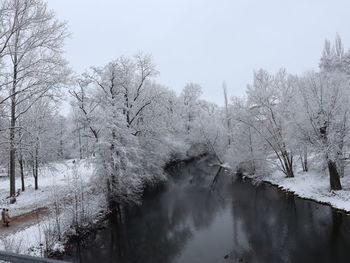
<point x="133" y="125"/>
<point x="288" y="118"/>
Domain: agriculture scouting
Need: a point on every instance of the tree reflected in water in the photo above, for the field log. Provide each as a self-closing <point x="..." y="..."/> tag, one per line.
<point x="265" y="224"/>
<point x="281" y="228"/>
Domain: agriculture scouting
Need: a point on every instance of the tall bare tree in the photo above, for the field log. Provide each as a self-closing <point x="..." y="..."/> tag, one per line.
<point x="34" y="64"/>
<point x="228" y="121"/>
<point x="325" y="98"/>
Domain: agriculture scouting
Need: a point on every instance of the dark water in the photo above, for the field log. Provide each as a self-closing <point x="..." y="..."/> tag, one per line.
<point x="235" y="222"/>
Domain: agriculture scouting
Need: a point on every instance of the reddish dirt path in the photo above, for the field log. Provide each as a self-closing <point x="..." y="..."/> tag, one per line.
<point x="23" y="221"/>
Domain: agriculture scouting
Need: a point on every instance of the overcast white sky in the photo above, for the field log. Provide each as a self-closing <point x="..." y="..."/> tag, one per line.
<point x="204" y="41"/>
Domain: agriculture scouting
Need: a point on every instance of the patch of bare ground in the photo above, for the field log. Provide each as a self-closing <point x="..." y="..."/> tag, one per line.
<point x="24" y="221"/>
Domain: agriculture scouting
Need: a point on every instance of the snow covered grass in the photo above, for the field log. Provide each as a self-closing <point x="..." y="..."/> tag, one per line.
<point x="313" y="185"/>
<point x="27" y="241"/>
<point x="56" y="181"/>
<point x="54" y="177"/>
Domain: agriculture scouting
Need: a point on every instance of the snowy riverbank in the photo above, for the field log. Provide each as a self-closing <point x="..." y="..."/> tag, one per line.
<point x="313" y="185"/>
<point x="33" y="213"/>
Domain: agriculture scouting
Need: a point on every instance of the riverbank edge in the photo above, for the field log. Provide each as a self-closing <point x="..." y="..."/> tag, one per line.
<point x="80" y="235"/>
<point x="295" y="194"/>
<point x="106" y="214"/>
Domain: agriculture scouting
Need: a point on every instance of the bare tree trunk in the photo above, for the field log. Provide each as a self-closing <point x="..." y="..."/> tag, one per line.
<point x="21" y="167"/>
<point x="35" y="175"/>
<point x="306" y="166"/>
<point x="35" y="164"/>
<point x="227" y="115"/>
<point x="287" y="164"/>
<point x="303" y="159"/>
<point x="113" y="181"/>
<point x="12" y="138"/>
<point x="36" y="167"/>
<point x="252" y="161"/>
<point x="334" y="177"/>
<point x="289" y="172"/>
<point x="340" y="161"/>
<point x="80" y="146"/>
<point x="13" y="119"/>
<point x="340" y="154"/>
<point x="20" y="160"/>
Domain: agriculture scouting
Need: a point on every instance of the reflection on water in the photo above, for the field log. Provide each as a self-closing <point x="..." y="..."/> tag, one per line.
<point x="235" y="222"/>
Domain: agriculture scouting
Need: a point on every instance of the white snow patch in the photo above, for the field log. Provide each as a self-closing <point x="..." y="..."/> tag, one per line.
<point x="52" y="178"/>
<point x="314" y="185"/>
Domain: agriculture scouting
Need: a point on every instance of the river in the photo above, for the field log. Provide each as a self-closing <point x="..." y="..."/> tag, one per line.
<point x="235" y="221"/>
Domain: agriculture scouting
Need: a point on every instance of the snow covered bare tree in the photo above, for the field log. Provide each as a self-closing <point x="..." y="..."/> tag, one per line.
<point x="33" y="65"/>
<point x="326" y="98"/>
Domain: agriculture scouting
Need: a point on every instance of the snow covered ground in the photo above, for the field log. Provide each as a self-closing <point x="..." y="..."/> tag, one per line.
<point x="55" y="180"/>
<point x="52" y="178"/>
<point x="314" y="185"/>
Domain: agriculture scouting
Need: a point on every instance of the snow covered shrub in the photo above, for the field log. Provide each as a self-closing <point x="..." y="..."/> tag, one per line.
<point x="12" y="244"/>
<point x="77" y="209"/>
<point x="51" y="236"/>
